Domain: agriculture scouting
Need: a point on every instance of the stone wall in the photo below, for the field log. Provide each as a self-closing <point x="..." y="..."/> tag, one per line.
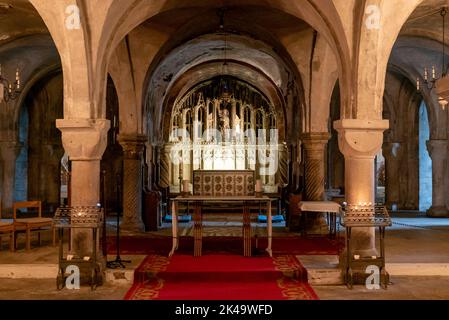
<point x="44" y="147"/>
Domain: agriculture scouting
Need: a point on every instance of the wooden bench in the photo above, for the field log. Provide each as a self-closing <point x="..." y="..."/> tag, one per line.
<point x="6" y="228"/>
<point x="28" y="225"/>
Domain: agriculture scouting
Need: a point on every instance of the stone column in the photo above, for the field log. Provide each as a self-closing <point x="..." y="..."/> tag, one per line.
<point x="133" y="148"/>
<point x="438" y="152"/>
<point x="314" y="160"/>
<point x="412" y="200"/>
<point x="9" y="151"/>
<point x="360" y="141"/>
<point x="392" y="153"/>
<point x="85" y="141"/>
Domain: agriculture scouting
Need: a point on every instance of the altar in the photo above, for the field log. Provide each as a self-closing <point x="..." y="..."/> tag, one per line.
<point x="199" y="201"/>
<point x="217" y="187"/>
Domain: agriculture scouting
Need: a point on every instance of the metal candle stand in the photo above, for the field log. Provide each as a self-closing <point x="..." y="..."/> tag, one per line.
<point x="371" y="216"/>
<point x="118" y="262"/>
<point x="70" y="218"/>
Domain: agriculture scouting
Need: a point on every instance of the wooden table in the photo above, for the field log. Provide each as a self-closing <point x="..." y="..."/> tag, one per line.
<point x="197" y="217"/>
<point x="332" y="209"/>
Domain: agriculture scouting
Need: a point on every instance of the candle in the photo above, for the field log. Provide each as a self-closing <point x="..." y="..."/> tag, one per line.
<point x="258" y="185"/>
<point x="426" y="74"/>
<point x="185" y="186"/>
<point x="17" y="75"/>
<point x="417" y="84"/>
<point x="433" y="73"/>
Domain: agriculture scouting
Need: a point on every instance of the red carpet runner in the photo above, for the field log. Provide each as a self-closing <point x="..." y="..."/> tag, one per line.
<point x="220" y="277"/>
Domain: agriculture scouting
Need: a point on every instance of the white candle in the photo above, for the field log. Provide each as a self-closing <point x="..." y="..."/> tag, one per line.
<point x="433" y="73"/>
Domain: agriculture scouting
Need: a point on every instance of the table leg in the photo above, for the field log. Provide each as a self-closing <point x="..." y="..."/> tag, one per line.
<point x="174" y="224"/>
<point x="246" y="231"/>
<point x="197" y="230"/>
<point x="270" y="229"/>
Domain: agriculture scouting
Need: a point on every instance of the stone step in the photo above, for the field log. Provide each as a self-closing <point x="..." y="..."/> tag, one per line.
<point x="50" y="271"/>
<point x="322" y="270"/>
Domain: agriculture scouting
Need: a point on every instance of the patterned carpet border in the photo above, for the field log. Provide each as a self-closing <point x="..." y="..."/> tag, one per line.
<point x="292" y="281"/>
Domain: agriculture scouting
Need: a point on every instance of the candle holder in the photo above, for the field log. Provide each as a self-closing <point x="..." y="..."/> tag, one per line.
<point x="258" y="188"/>
<point x="185" y="192"/>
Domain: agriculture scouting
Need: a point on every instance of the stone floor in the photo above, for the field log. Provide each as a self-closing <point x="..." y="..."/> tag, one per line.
<point x="412" y="241"/>
<point x="401" y="288"/>
<point x="45" y="289"/>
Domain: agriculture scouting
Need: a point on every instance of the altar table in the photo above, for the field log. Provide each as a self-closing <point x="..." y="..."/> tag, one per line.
<point x="197" y="218"/>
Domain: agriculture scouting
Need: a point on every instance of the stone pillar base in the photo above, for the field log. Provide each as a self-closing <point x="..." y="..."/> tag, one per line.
<point x="318" y="226"/>
<point x="132" y="226"/>
<point x="438" y="212"/>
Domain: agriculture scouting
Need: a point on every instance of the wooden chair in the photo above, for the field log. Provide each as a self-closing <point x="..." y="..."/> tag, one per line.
<point x="5" y="229"/>
<point x="28" y="225"/>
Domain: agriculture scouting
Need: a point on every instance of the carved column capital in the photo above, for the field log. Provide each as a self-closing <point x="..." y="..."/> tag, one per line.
<point x="133" y="146"/>
<point x="84" y="139"/>
<point x="315" y="140"/>
<point x="359" y="138"/>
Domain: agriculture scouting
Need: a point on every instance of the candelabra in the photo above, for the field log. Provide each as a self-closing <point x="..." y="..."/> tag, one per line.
<point x="432" y="83"/>
<point x="9" y="91"/>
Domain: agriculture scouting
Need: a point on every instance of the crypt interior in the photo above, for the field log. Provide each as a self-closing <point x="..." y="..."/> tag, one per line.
<point x="174" y="117"/>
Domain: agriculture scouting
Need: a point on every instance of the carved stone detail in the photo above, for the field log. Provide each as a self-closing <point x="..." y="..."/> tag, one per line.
<point x="84" y="139"/>
<point x="133" y="148"/>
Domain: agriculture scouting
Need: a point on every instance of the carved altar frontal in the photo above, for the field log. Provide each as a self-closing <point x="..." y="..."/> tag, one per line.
<point x="221" y="183"/>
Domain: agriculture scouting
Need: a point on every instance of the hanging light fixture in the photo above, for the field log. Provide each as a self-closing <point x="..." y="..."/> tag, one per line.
<point x="431" y="81"/>
<point x="9" y="91"/>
